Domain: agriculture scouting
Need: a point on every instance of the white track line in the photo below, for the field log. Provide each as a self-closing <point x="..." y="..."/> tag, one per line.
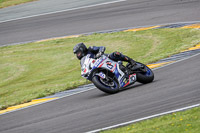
<point x="144" y="118"/>
<point x="105" y="3"/>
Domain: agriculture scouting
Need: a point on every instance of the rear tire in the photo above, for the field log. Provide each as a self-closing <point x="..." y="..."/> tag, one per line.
<point x="107" y="89"/>
<point x="145" y="77"/>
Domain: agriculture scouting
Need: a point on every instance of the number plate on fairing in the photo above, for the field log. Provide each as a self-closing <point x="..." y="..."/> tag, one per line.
<point x="102" y="75"/>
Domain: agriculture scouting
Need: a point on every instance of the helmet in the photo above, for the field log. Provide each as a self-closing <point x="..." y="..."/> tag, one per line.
<point x="80" y="50"/>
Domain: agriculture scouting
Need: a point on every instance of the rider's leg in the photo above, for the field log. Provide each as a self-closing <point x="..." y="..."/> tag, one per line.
<point x="117" y="56"/>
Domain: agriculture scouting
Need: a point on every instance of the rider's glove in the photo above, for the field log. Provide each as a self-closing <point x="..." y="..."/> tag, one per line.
<point x="99" y="54"/>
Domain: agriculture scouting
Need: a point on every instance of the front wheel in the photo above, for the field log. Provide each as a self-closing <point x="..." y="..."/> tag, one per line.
<point x="145" y="77"/>
<point x="109" y="86"/>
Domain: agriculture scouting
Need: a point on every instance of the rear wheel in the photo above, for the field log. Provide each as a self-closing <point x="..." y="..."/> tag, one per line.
<point x="145" y="77"/>
<point x="107" y="85"/>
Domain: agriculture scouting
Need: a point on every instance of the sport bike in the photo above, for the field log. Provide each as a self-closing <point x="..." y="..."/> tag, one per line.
<point x="110" y="76"/>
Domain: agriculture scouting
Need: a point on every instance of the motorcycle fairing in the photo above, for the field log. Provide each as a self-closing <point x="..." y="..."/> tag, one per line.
<point x="132" y="79"/>
<point x="110" y="65"/>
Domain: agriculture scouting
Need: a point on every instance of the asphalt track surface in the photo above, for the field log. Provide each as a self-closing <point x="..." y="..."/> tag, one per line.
<point x="39" y="7"/>
<point x="123" y="14"/>
<point x="175" y="86"/>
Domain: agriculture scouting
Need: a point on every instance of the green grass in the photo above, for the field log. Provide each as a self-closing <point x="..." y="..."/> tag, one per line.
<point x="6" y="3"/>
<point x="180" y="122"/>
<point x="39" y="69"/>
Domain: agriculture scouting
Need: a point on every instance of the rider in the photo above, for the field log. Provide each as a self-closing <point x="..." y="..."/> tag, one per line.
<point x="81" y="50"/>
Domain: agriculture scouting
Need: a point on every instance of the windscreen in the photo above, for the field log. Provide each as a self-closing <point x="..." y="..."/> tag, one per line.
<point x="83" y="60"/>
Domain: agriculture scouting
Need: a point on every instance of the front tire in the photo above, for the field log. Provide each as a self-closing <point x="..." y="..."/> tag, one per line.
<point x="105" y="88"/>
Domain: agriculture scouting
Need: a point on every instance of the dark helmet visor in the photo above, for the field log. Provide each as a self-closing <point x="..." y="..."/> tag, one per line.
<point x="79" y="55"/>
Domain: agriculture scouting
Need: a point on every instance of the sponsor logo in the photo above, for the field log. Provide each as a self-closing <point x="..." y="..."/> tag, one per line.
<point x="132" y="78"/>
<point x="97" y="63"/>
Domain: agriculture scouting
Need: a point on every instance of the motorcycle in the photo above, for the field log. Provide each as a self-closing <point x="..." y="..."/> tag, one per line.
<point x="110" y="76"/>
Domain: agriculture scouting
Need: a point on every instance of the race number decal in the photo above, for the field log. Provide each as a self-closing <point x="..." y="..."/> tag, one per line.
<point x="102" y="75"/>
<point x="109" y="64"/>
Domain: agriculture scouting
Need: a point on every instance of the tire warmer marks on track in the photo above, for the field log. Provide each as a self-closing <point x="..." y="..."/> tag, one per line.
<point x="184" y="54"/>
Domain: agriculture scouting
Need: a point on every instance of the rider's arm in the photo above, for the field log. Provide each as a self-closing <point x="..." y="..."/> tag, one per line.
<point x="95" y="50"/>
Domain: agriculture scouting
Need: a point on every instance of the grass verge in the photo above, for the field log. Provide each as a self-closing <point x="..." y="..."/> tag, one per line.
<point x="39" y="69"/>
<point x="7" y="3"/>
<point x="180" y="122"/>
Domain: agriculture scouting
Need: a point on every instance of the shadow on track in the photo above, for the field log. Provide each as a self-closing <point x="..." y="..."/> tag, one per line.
<point x="134" y="86"/>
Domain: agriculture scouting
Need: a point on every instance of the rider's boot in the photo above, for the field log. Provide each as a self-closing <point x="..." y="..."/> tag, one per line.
<point x="117" y="56"/>
<point x="132" y="62"/>
<point x="129" y="60"/>
<point x="134" y="65"/>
